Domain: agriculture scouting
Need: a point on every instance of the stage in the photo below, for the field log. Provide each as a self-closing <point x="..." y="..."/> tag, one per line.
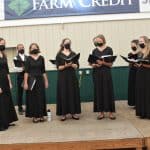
<point x="127" y="131"/>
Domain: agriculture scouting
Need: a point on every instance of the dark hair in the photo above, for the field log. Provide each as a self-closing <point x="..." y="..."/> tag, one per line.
<point x="62" y="44"/>
<point x="3" y="53"/>
<point x="32" y="45"/>
<point x="135" y="41"/>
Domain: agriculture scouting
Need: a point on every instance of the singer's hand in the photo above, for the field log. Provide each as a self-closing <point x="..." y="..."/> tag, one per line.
<point x="46" y="84"/>
<point x="68" y="64"/>
<point x="10" y="85"/>
<point x="138" y="65"/>
<point x="96" y="65"/>
<point x="100" y="62"/>
<point x="25" y="86"/>
<point x="74" y="66"/>
<point x="1" y="91"/>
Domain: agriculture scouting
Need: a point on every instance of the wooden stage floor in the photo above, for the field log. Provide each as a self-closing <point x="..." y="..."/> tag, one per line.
<point x="127" y="131"/>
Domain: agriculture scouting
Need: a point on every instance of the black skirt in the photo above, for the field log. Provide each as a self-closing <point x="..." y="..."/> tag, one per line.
<point x="131" y="86"/>
<point x="103" y="90"/>
<point x="143" y="92"/>
<point x="36" y="99"/>
<point x="7" y="110"/>
<point x="68" y="96"/>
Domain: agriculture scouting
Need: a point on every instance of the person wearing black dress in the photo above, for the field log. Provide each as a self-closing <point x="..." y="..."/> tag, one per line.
<point x="35" y="97"/>
<point x="7" y="110"/>
<point x="68" y="96"/>
<point x="143" y="80"/>
<point x="132" y="73"/>
<point x="102" y="79"/>
<point x="20" y="76"/>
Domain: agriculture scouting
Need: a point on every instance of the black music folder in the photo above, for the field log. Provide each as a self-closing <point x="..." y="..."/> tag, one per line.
<point x="72" y="59"/>
<point x="107" y="58"/>
<point x="53" y="61"/>
<point x="143" y="61"/>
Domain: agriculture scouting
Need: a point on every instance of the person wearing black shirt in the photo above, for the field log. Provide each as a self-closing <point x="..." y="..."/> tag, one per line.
<point x="132" y="73"/>
<point x="19" y="68"/>
<point x="68" y="95"/>
<point x="143" y="80"/>
<point x="7" y="110"/>
<point x="102" y="79"/>
<point x="35" y="82"/>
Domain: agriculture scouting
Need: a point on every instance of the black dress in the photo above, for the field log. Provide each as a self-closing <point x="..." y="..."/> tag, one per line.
<point x="131" y="81"/>
<point x="103" y="86"/>
<point x="36" y="99"/>
<point x="7" y="110"/>
<point x="68" y="95"/>
<point x="143" y="92"/>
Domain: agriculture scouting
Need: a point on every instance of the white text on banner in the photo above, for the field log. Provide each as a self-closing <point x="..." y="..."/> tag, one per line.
<point x="144" y="5"/>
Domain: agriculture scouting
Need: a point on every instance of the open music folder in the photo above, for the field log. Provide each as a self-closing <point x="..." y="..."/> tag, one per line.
<point x="72" y="59"/>
<point x="107" y="58"/>
<point x="53" y="61"/>
<point x="144" y="61"/>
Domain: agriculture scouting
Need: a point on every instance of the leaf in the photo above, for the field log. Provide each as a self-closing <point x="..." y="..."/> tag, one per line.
<point x="19" y="6"/>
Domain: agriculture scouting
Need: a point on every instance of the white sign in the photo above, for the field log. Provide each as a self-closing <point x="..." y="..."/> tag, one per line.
<point x="1" y="9"/>
<point x="144" y="5"/>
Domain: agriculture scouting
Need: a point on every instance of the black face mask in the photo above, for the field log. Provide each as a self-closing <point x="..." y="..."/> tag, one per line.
<point x="35" y="51"/>
<point x="95" y="44"/>
<point x="134" y="48"/>
<point x="67" y="46"/>
<point x="2" y="47"/>
<point x="21" y="51"/>
<point x="100" y="44"/>
<point x="142" y="45"/>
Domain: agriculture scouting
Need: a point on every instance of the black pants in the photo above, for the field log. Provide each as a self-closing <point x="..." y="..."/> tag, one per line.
<point x="20" y="78"/>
